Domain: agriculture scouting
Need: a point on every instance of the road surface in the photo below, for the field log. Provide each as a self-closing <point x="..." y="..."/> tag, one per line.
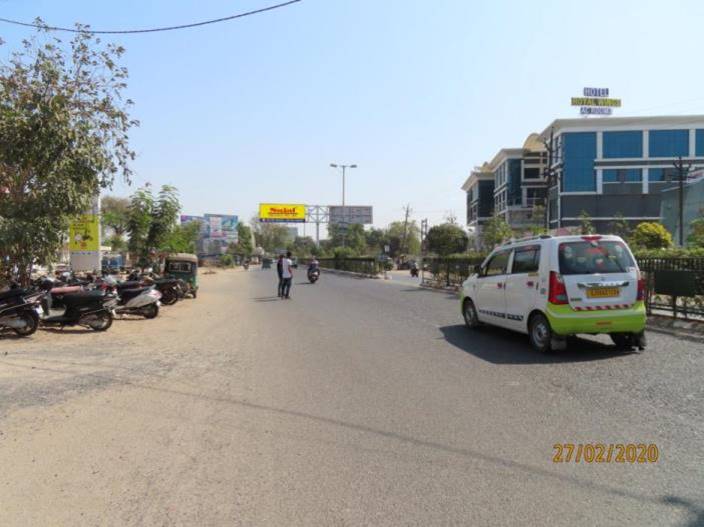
<point x="357" y="402"/>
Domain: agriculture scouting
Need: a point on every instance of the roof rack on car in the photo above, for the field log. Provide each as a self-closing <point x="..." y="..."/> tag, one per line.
<point x="529" y="238"/>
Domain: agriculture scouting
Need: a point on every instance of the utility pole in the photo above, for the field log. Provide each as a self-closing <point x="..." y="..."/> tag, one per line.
<point x="408" y="211"/>
<point x="682" y="172"/>
<point x="423" y="247"/>
<point x="344" y="211"/>
<point x="548" y="174"/>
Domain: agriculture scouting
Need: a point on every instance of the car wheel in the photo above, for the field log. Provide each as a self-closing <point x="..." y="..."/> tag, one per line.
<point x="624" y="341"/>
<point x="469" y="312"/>
<point x="540" y="333"/>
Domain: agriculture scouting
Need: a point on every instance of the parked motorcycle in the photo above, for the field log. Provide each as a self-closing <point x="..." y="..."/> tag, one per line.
<point x="18" y="310"/>
<point x="414" y="272"/>
<point x="92" y="309"/>
<point x="172" y="289"/>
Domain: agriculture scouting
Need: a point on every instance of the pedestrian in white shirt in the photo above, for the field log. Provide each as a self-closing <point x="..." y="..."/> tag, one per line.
<point x="287" y="275"/>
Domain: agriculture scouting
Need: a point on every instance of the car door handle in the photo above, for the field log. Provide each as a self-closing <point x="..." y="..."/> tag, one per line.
<point x="499" y="285"/>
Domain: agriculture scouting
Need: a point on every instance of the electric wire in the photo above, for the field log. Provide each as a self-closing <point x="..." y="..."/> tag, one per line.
<point x="151" y="30"/>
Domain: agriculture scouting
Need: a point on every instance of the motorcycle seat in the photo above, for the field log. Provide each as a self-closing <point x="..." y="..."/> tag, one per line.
<point x="129" y="284"/>
<point x="11" y="293"/>
<point x="83" y="297"/>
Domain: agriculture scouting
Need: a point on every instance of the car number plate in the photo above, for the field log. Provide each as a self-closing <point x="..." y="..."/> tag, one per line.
<point x="603" y="292"/>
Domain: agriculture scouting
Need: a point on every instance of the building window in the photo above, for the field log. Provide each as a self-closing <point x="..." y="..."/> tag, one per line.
<point x="622" y="175"/>
<point x="669" y="143"/>
<point x="623" y="144"/>
<point x="531" y="173"/>
<point x="662" y="174"/>
<point x="699" y="146"/>
<point x="578" y="167"/>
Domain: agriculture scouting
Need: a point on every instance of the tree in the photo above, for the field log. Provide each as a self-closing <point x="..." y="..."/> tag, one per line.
<point x="355" y="238"/>
<point x="270" y="236"/>
<point x="696" y="227"/>
<point x="585" y="223"/>
<point x="64" y="125"/>
<point x="303" y="246"/>
<point x="114" y="215"/>
<point x="244" y="245"/>
<point x="376" y="239"/>
<point x="446" y="239"/>
<point x="496" y="232"/>
<point x="620" y="227"/>
<point x="151" y="220"/>
<point x="651" y="235"/>
<point x="183" y="238"/>
<point x="395" y="236"/>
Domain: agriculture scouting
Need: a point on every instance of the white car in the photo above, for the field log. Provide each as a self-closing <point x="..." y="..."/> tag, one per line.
<point x="553" y="287"/>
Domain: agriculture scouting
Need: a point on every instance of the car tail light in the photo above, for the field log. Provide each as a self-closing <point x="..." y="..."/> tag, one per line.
<point x="558" y="292"/>
<point x="591" y="238"/>
<point x="641" y="289"/>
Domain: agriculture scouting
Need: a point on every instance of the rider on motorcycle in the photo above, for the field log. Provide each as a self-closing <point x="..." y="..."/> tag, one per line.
<point x="314" y="264"/>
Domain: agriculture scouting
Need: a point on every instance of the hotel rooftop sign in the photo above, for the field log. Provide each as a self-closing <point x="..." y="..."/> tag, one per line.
<point x="596" y="101"/>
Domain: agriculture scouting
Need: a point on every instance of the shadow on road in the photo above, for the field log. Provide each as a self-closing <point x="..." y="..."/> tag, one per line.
<point x="501" y="346"/>
<point x="266" y="299"/>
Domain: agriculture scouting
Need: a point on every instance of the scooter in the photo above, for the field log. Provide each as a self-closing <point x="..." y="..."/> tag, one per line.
<point x="313" y="275"/>
<point x="414" y="272"/>
<point x="18" y="310"/>
<point x="142" y="301"/>
<point x="92" y="309"/>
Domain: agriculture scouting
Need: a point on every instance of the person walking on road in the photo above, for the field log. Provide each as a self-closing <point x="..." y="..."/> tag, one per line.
<point x="287" y="275"/>
<point x="280" y="272"/>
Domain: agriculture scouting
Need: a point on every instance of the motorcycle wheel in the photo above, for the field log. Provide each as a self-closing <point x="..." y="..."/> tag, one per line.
<point x="101" y="322"/>
<point x="169" y="297"/>
<point x="150" y="311"/>
<point x="32" y="321"/>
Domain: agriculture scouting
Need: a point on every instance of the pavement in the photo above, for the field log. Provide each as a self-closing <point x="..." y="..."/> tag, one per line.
<point x="357" y="402"/>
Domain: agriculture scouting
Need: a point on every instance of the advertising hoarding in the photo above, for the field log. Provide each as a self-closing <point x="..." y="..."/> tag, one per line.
<point x="84" y="233"/>
<point x="349" y="215"/>
<point x="595" y="101"/>
<point x="282" y="212"/>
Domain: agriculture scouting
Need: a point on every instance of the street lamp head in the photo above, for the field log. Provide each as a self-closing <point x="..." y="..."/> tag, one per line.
<point x="353" y="166"/>
<point x="333" y="165"/>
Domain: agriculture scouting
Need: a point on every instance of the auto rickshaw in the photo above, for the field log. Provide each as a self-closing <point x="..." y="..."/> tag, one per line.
<point x="185" y="267"/>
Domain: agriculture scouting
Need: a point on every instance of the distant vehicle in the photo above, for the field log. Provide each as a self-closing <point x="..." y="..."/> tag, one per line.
<point x="554" y="287"/>
<point x="185" y="267"/>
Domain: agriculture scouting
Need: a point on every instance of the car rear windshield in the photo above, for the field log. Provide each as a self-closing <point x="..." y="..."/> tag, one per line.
<point x="592" y="257"/>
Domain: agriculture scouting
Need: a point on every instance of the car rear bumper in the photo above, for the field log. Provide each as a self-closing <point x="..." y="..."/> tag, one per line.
<point x="566" y="321"/>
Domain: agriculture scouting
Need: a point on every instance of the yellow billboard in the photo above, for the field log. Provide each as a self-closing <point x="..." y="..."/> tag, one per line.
<point x="84" y="233"/>
<point x="282" y="212"/>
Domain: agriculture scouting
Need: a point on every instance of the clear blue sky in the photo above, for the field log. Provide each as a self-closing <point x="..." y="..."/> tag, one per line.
<point x="415" y="92"/>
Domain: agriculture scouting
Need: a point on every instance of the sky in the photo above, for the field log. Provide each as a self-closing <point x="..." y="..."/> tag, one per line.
<point x="416" y="93"/>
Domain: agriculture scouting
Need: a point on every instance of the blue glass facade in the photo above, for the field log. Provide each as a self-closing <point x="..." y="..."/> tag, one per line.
<point x="699" y="146"/>
<point x="662" y="174"/>
<point x="622" y="144"/>
<point x="669" y="143"/>
<point x="514" y="182"/>
<point x="622" y="175"/>
<point x="579" y="151"/>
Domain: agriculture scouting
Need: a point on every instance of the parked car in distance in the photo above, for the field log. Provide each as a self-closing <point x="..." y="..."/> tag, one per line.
<point x="554" y="287"/>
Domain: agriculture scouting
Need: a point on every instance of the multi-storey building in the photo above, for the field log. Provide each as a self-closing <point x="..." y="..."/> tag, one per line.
<point x="617" y="167"/>
<point x="511" y="185"/>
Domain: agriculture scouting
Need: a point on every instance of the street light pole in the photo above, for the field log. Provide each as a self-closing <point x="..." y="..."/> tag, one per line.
<point x="344" y="170"/>
<point x="682" y="172"/>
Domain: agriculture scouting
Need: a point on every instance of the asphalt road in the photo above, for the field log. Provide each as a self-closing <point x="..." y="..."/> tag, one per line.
<point x="357" y="402"/>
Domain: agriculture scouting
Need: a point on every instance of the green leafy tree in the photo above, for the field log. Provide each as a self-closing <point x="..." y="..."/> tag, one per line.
<point x="585" y="223"/>
<point x="395" y="235"/>
<point x="303" y="246"/>
<point x="496" y="231"/>
<point x="376" y="239"/>
<point x="445" y="239"/>
<point x="651" y="235"/>
<point x="114" y="216"/>
<point x="183" y="238"/>
<point x="270" y="236"/>
<point x="151" y="221"/>
<point x="620" y="227"/>
<point x="64" y="125"/>
<point x="355" y="239"/>
<point x="696" y="227"/>
<point x="244" y="245"/>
